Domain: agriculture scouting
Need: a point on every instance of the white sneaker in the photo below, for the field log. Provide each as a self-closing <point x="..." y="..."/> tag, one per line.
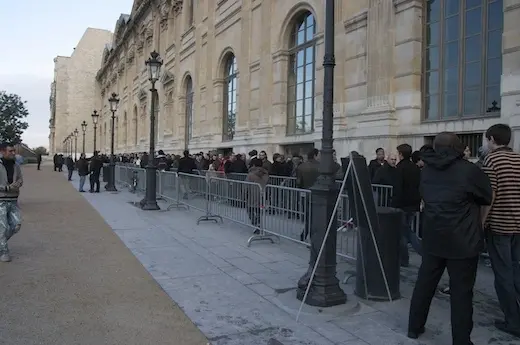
<point x="5" y="258"/>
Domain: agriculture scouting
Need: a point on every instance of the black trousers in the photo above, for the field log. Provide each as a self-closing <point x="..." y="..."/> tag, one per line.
<point x="39" y="164"/>
<point x="94" y="181"/>
<point x="462" y="274"/>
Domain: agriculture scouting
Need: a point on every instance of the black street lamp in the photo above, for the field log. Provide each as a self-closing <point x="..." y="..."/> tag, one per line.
<point x="84" y="130"/>
<point x="76" y="144"/>
<point x="111" y="185"/>
<point x="149" y="202"/>
<point x="325" y="290"/>
<point x="95" y="118"/>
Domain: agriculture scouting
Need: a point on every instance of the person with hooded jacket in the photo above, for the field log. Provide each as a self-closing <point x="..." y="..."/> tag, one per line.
<point x="254" y="196"/>
<point x="453" y="190"/>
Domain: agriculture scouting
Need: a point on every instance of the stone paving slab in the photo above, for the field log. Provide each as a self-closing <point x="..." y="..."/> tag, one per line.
<point x="73" y="282"/>
<point x="245" y="295"/>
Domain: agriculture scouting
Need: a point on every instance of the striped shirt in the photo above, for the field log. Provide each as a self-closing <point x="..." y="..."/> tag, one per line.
<point x="503" y="169"/>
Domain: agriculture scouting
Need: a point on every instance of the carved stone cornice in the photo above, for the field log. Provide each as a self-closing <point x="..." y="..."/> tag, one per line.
<point x="177" y="6"/>
<point x="114" y="77"/>
<point x="142" y="95"/>
<point x="356" y="22"/>
<point x="140" y="8"/>
<point x="167" y="77"/>
<point x="103" y="92"/>
<point x="164" y="11"/>
<point x="121" y="68"/>
<point x="130" y="56"/>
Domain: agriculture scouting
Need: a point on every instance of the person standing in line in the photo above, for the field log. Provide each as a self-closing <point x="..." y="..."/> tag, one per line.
<point x="453" y="190"/>
<point x="95" y="171"/>
<point x="377" y="163"/>
<point x="502" y="220"/>
<point x="407" y="198"/>
<point x="11" y="181"/>
<point x="82" y="166"/>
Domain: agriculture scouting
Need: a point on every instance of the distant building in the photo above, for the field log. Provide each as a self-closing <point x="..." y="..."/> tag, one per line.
<point x="74" y="90"/>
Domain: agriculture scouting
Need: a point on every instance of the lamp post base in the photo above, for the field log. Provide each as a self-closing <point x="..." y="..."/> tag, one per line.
<point x="323" y="296"/>
<point x="149" y="205"/>
<point x="110" y="188"/>
<point x="324" y="290"/>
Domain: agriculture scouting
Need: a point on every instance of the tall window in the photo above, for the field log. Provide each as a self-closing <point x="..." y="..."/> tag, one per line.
<point x="230" y="97"/>
<point x="300" y="112"/>
<point x="189" y="111"/>
<point x="463" y="58"/>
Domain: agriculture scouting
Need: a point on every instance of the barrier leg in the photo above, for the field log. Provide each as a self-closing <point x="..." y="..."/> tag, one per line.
<point x="209" y="216"/>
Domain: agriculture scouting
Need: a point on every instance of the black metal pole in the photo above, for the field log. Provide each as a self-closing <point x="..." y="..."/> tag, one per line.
<point x="83" y="151"/>
<point x="325" y="290"/>
<point x="149" y="202"/>
<point x="95" y="132"/>
<point x="75" y="147"/>
<point x="111" y="186"/>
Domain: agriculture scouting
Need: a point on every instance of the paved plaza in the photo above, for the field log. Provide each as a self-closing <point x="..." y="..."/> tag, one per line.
<point x="73" y="281"/>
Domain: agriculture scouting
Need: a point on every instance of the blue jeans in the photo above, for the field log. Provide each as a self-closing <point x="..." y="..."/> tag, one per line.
<point x="10" y="222"/>
<point x="409" y="236"/>
<point x="82" y="182"/>
<point x="504" y="252"/>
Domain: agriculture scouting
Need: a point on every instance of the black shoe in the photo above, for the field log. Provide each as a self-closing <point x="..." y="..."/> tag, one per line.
<point x="504" y="327"/>
<point x="416" y="334"/>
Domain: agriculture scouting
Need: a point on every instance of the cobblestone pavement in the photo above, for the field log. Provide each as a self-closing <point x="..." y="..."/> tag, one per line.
<point x="72" y="281"/>
<point x="239" y="295"/>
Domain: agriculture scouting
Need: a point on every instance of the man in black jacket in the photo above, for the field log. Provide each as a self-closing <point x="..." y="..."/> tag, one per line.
<point x="453" y="190"/>
<point x="406" y="197"/>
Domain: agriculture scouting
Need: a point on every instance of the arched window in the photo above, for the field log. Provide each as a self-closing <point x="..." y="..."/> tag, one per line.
<point x="230" y="97"/>
<point x="462" y="58"/>
<point x="300" y="110"/>
<point x="189" y="112"/>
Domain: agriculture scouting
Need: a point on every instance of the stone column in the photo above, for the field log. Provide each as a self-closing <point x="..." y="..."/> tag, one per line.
<point x="218" y="104"/>
<point x="380" y="62"/>
<point x="279" y="94"/>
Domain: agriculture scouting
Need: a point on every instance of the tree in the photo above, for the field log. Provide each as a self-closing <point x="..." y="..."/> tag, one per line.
<point x="12" y="115"/>
<point x="40" y="150"/>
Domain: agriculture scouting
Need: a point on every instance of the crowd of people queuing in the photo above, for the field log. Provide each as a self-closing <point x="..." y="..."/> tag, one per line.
<point x="466" y="209"/>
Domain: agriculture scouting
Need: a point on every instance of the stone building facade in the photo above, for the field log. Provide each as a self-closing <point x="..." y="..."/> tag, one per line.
<point x="74" y="91"/>
<point x="244" y="74"/>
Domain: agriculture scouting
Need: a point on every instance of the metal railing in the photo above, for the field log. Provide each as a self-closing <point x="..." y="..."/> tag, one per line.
<point x="276" y="211"/>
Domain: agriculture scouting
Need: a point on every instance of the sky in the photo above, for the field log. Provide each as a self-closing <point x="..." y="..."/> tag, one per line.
<point x="34" y="32"/>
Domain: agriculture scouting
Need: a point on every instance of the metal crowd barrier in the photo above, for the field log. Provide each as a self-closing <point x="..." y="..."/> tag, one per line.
<point x="274" y="212"/>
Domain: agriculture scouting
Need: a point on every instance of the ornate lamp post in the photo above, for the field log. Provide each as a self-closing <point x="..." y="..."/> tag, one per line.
<point x="71" y="142"/>
<point x="149" y="202"/>
<point x="111" y="185"/>
<point x="95" y="118"/>
<point x="76" y="144"/>
<point x="325" y="290"/>
<point x="84" y="130"/>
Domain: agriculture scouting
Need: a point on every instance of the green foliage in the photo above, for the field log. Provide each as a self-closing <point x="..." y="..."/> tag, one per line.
<point x="12" y="115"/>
<point x="40" y="150"/>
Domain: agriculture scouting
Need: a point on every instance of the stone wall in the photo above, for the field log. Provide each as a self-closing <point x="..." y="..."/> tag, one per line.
<point x="76" y="88"/>
<point x="378" y="74"/>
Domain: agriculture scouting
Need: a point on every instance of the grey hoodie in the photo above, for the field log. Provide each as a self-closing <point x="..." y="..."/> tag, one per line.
<point x="10" y="191"/>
